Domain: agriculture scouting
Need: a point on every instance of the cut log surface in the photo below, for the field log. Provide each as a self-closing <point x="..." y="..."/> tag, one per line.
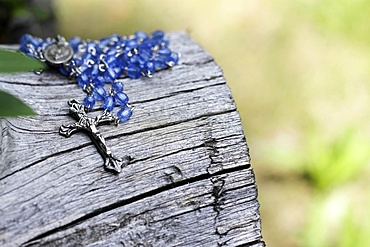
<point x="189" y="182"/>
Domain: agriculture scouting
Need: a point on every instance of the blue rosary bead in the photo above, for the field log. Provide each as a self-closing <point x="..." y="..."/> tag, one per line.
<point x="158" y="35"/>
<point x="124" y="113"/>
<point x="148" y="44"/>
<point x="74" y="42"/>
<point x="111" y="59"/>
<point x="89" y="58"/>
<point x="164" y="52"/>
<point x="25" y="39"/>
<point x="174" y="58"/>
<point x="64" y="70"/>
<point x="160" y="62"/>
<point x="113" y="69"/>
<point x="111" y="74"/>
<point x="110" y="40"/>
<point x="140" y="35"/>
<point x="121" y="98"/>
<point x="93" y="49"/>
<point x="45" y="43"/>
<point x="35" y="42"/>
<point x="99" y="81"/>
<point x="122" y="60"/>
<point x="76" y="62"/>
<point x="83" y="80"/>
<point x="116" y="40"/>
<point x="130" y="44"/>
<point x="165" y="42"/>
<point x="111" y="51"/>
<point x="121" y="43"/>
<point x="108" y="103"/>
<point x="94" y="71"/>
<point x="148" y="68"/>
<point x="84" y="77"/>
<point x="117" y="86"/>
<point x="145" y="53"/>
<point x="28" y="43"/>
<point x="89" y="102"/>
<point x="133" y="71"/>
<point x="137" y="60"/>
<point x="99" y="93"/>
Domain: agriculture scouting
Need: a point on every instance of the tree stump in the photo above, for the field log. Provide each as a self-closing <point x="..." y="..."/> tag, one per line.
<point x="189" y="182"/>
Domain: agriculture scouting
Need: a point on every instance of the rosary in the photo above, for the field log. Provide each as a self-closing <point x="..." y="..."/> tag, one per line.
<point x="96" y="66"/>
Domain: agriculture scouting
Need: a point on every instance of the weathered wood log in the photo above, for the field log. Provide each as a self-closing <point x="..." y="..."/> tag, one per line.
<point x="189" y="183"/>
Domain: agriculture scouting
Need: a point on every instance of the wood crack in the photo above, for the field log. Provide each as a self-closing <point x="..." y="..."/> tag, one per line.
<point x="180" y="91"/>
<point x="131" y="200"/>
<point x="89" y="143"/>
<point x="210" y="60"/>
<point x="255" y="243"/>
<point x="173" y="123"/>
<point x="46" y="158"/>
<point x="24" y="130"/>
<point x="68" y="82"/>
<point x="182" y="150"/>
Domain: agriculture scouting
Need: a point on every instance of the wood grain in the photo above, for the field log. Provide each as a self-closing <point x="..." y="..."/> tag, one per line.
<point x="189" y="183"/>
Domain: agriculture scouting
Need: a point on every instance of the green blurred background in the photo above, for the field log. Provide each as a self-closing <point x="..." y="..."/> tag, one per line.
<point x="300" y="75"/>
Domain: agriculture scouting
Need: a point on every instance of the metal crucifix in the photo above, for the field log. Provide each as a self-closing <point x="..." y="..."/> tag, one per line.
<point x="89" y="125"/>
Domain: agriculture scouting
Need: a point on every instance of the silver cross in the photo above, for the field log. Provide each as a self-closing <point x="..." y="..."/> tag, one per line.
<point x="89" y="125"/>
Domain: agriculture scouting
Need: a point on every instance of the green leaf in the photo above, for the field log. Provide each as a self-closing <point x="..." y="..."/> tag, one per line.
<point x="11" y="106"/>
<point x="13" y="61"/>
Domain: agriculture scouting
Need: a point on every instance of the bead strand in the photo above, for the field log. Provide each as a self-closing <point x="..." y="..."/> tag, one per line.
<point x="94" y="64"/>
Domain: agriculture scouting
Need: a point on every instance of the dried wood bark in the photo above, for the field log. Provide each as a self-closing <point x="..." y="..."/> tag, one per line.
<point x="189" y="183"/>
